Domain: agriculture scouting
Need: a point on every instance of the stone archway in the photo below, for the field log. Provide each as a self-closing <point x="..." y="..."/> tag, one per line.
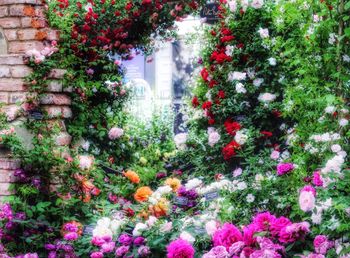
<point x="3" y="42"/>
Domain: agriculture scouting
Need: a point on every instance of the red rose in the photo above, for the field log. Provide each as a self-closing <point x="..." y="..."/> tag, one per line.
<point x="232" y="127"/>
<point x="221" y="94"/>
<point x="227" y="38"/>
<point x="212" y="83"/>
<point x="205" y="74"/>
<point x="145" y="2"/>
<point x="230" y="150"/>
<point x="128" y="6"/>
<point x="206" y="105"/>
<point x="195" y="102"/>
<point x="225" y="32"/>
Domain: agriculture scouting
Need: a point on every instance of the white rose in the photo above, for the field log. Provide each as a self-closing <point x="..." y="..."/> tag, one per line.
<point x="187" y="236"/>
<point x="139" y="228"/>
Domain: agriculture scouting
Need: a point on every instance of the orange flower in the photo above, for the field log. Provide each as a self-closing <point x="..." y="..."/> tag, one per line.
<point x="174" y="183"/>
<point x="132" y="176"/>
<point x="160" y="209"/>
<point x="142" y="194"/>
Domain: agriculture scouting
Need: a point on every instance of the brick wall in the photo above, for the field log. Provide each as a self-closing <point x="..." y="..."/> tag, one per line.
<point x="23" y="27"/>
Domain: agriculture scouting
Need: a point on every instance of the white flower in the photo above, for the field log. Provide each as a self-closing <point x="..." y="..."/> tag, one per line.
<point x="238" y="76"/>
<point x="211" y="227"/>
<point x="104" y="222"/>
<point x="237" y="172"/>
<point x="85" y="162"/>
<point x="151" y="221"/>
<point x="85" y="145"/>
<point x="316" y="18"/>
<point x="346" y="58"/>
<point x="229" y="50"/>
<point x="332" y="38"/>
<point x="267" y="97"/>
<point x="330" y="109"/>
<point x="264" y="33"/>
<point x="258" y="81"/>
<point x="250" y="198"/>
<point x="257" y="4"/>
<point x="139" y="228"/>
<point x="187" y="236"/>
<point x="116" y="225"/>
<point x="259" y="178"/>
<point x="241" y="138"/>
<point x="343" y="122"/>
<point x="272" y="61"/>
<point x="336" y="148"/>
<point x="240" y="88"/>
<point x="245" y="4"/>
<point x="241" y="186"/>
<point x="166" y="227"/>
<point x="164" y="189"/>
<point x="180" y="140"/>
<point x="213" y="138"/>
<point x="232" y="5"/>
<point x="193" y="183"/>
<point x="102" y="232"/>
<point x="316" y="218"/>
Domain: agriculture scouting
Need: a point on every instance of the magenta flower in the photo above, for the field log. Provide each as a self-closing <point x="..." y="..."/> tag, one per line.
<point x="71" y="236"/>
<point x="227" y="235"/>
<point x="96" y="255"/>
<point x="277" y="225"/>
<point x="121" y="251"/>
<point x="284" y="168"/>
<point x="321" y="244"/>
<point x="317" y="179"/>
<point x="263" y="221"/>
<point x="180" y="248"/>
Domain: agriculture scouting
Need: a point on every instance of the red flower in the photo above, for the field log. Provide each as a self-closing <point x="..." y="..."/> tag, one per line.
<point x="195" y="102"/>
<point x="128" y="6"/>
<point x="213" y="33"/>
<point x="205" y="74"/>
<point x="145" y="2"/>
<point x="206" y="105"/>
<point x="225" y="32"/>
<point x="211" y="121"/>
<point x="221" y="94"/>
<point x="276" y="113"/>
<point x="227" y="38"/>
<point x="230" y="150"/>
<point x="266" y="133"/>
<point x="220" y="57"/>
<point x="232" y="127"/>
<point x="212" y="83"/>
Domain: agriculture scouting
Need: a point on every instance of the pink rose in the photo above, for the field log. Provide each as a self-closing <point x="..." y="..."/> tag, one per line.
<point x="306" y="201"/>
<point x="321" y="244"/>
<point x="115" y="133"/>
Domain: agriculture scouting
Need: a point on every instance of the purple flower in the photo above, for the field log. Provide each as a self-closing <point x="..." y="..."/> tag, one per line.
<point x="21" y="175"/>
<point x="71" y="236"/>
<point x="96" y="255"/>
<point x="139" y="241"/>
<point x="52" y="254"/>
<point x="90" y="71"/>
<point x="50" y="247"/>
<point x="36" y="182"/>
<point x="125" y="239"/>
<point x="6" y="212"/>
<point x="20" y="216"/>
<point x="70" y="227"/>
<point x="121" y="251"/>
<point x="160" y="175"/>
<point x="108" y="247"/>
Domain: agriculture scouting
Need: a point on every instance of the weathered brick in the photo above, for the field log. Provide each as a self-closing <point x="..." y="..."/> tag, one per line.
<point x="18" y="10"/>
<point x="5" y="71"/>
<point x="57" y="111"/>
<point x="20" y="71"/>
<point x="55" y="99"/>
<point x="11" y="59"/>
<point x="11" y="85"/>
<point x="4" y="96"/>
<point x="10" y="22"/>
<point x="57" y="74"/>
<point x="17" y="97"/>
<point x="55" y="86"/>
<point x="10" y="34"/>
<point x="23" y="46"/>
<point x="3" y="11"/>
<point x="53" y="35"/>
<point x="5" y="189"/>
<point x="35" y="22"/>
<point x="35" y="2"/>
<point x="11" y="112"/>
<point x="7" y="176"/>
<point x="9" y="164"/>
<point x="26" y="34"/>
<point x="67" y="112"/>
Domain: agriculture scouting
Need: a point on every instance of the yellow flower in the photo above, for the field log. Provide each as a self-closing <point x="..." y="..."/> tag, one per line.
<point x="174" y="183"/>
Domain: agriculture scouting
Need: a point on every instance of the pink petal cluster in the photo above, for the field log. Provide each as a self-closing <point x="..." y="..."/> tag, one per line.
<point x="227" y="235"/>
<point x="115" y="133"/>
<point x="180" y="248"/>
<point x="317" y="179"/>
<point x="322" y="244"/>
<point x="284" y="168"/>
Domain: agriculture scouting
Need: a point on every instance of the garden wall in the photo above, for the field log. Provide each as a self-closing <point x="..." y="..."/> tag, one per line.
<point x="23" y="27"/>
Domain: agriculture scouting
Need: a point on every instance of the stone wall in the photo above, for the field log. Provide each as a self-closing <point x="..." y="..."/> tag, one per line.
<point x="23" y="27"/>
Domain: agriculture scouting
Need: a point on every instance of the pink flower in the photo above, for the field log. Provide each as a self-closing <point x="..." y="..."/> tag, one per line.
<point x="321" y="244"/>
<point x="107" y="247"/>
<point x="309" y="188"/>
<point x="266" y="243"/>
<point x="115" y="133"/>
<point x="284" y="168"/>
<point x="96" y="255"/>
<point x="227" y="235"/>
<point x="317" y="179"/>
<point x="121" y="251"/>
<point x="294" y="232"/>
<point x="248" y="234"/>
<point x="263" y="220"/>
<point x="217" y="252"/>
<point x="306" y="201"/>
<point x="71" y="236"/>
<point x="265" y="254"/>
<point x="211" y="227"/>
<point x="275" y="155"/>
<point x="85" y="162"/>
<point x="236" y="248"/>
<point x="277" y="225"/>
<point x="97" y="241"/>
<point x="180" y="248"/>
